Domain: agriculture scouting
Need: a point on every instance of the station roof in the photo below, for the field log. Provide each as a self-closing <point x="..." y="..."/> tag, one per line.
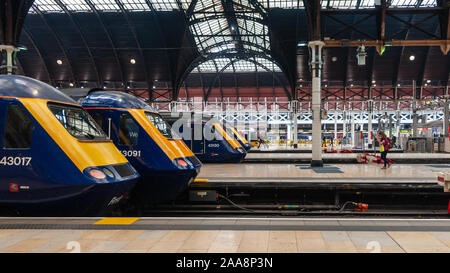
<point x="208" y="45"/>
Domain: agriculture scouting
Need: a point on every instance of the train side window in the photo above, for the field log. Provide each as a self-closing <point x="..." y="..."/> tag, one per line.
<point x="128" y="131"/>
<point x="99" y="119"/>
<point x="18" y="128"/>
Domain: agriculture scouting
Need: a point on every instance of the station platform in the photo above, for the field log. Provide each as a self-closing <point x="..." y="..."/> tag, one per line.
<point x="344" y="158"/>
<point x="298" y="174"/>
<point x="223" y="235"/>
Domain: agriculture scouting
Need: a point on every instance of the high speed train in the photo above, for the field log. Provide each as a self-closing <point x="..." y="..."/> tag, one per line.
<point x="207" y="138"/>
<point x="54" y="158"/>
<point x="166" y="164"/>
<point x="244" y="143"/>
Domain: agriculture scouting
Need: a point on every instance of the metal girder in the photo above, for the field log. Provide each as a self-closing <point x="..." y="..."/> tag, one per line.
<point x="224" y="16"/>
<point x="38" y="51"/>
<point x="397" y="70"/>
<point x="313" y="12"/>
<point x="444" y="20"/>
<point x="381" y="24"/>
<point x="59" y="42"/>
<point x="416" y="25"/>
<point x="191" y="8"/>
<point x="232" y="63"/>
<point x="141" y="52"/>
<point x="264" y="50"/>
<point x="163" y="39"/>
<point x="224" y="54"/>
<point x="108" y="35"/>
<point x="232" y="21"/>
<point x="387" y="43"/>
<point x="83" y="39"/>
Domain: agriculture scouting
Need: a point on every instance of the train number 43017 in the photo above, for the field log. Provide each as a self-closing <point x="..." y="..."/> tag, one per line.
<point x="15" y="161"/>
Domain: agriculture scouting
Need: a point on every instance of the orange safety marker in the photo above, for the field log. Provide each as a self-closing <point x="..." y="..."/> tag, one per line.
<point x="117" y="221"/>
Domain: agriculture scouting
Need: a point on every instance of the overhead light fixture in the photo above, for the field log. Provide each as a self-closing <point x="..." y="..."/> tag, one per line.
<point x="132" y="61"/>
<point x="361" y="55"/>
<point x="373" y="81"/>
<point x="333" y="59"/>
<point x="412" y="58"/>
<point x="59" y="62"/>
<point x="428" y="81"/>
<point x="302" y="44"/>
<point x="398" y="84"/>
<point x="351" y="85"/>
<point x="71" y="84"/>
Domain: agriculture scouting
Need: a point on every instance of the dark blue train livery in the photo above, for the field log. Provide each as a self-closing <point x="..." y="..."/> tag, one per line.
<point x="166" y="164"/>
<point x="206" y="138"/>
<point x="54" y="159"/>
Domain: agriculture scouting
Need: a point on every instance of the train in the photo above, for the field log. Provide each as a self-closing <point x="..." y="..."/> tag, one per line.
<point x="167" y="166"/>
<point x="242" y="141"/>
<point x="206" y="137"/>
<point x="54" y="159"/>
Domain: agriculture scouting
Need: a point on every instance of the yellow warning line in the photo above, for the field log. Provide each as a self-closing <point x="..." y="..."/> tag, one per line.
<point x="117" y="221"/>
<point x="200" y="180"/>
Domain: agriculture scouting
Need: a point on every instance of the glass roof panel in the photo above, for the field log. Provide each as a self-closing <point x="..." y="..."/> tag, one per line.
<point x="166" y="5"/>
<point x="413" y="3"/>
<point x="135" y="5"/>
<point x="47" y="6"/>
<point x="76" y="5"/>
<point x="284" y="4"/>
<point x="106" y="5"/>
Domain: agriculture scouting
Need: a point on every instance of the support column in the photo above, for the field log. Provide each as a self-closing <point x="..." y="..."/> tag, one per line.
<point x="10" y="52"/>
<point x="335" y="125"/>
<point x="369" y="125"/>
<point x="316" y="68"/>
<point x="352" y="128"/>
<point x="294" y="117"/>
<point x="414" y="111"/>
<point x="445" y="132"/>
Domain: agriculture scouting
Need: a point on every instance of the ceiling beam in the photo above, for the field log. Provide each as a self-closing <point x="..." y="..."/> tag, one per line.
<point x="83" y="39"/>
<point x="113" y="46"/>
<point x="60" y="45"/>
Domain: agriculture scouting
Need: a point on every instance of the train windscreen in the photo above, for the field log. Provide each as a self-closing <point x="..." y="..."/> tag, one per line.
<point x="77" y="122"/>
<point x="162" y="126"/>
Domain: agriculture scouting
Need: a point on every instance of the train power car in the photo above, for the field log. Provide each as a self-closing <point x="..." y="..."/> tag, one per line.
<point x="54" y="158"/>
<point x="166" y="164"/>
<point x="207" y="139"/>
<point x="244" y="143"/>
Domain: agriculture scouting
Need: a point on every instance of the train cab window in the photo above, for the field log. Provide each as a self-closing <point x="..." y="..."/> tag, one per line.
<point x="77" y="122"/>
<point x="128" y="131"/>
<point x="18" y="128"/>
<point x="99" y="119"/>
<point x="162" y="126"/>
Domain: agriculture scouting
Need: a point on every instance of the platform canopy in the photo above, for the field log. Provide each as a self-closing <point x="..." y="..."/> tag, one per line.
<point x="177" y="49"/>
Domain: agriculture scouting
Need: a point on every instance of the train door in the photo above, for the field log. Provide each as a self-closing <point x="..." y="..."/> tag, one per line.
<point x="17" y="127"/>
<point x="198" y="145"/>
<point x="126" y="134"/>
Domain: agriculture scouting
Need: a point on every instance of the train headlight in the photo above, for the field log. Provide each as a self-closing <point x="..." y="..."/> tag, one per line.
<point x="97" y="174"/>
<point x="182" y="163"/>
<point x="109" y="173"/>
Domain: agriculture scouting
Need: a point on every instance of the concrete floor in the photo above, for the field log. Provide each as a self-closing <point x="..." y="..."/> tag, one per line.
<point x="124" y="240"/>
<point x="396" y="173"/>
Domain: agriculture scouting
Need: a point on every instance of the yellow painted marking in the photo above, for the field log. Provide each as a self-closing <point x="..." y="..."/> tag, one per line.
<point x="241" y="138"/>
<point x="82" y="154"/>
<point x="173" y="148"/>
<point x="200" y="180"/>
<point x="234" y="143"/>
<point x="117" y="221"/>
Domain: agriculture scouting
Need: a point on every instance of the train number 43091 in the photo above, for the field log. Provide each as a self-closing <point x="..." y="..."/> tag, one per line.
<point x="15" y="161"/>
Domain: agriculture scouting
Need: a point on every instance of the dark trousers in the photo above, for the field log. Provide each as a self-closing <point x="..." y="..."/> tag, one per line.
<point x="383" y="157"/>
